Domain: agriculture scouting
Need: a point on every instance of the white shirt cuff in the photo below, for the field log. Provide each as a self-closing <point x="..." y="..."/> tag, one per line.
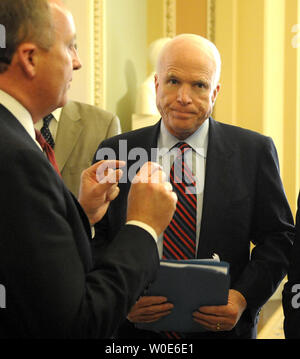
<point x="146" y="227"/>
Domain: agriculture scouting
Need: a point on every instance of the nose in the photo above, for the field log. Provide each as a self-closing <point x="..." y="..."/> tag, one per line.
<point x="76" y="61"/>
<point x="184" y="95"/>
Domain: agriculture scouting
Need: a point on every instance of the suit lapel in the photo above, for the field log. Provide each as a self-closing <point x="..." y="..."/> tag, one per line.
<point x="150" y="141"/>
<point x="18" y="131"/>
<point x="146" y="139"/>
<point x="69" y="129"/>
<point x="218" y="187"/>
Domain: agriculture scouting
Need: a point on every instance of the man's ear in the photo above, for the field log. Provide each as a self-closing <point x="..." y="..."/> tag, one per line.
<point x="156" y="82"/>
<point x="27" y="57"/>
<point x="215" y="92"/>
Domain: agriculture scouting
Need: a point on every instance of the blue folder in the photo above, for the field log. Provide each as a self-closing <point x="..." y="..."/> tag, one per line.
<point x="188" y="284"/>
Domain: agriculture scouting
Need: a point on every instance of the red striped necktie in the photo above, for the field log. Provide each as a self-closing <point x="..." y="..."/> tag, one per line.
<point x="47" y="149"/>
<point x="180" y="236"/>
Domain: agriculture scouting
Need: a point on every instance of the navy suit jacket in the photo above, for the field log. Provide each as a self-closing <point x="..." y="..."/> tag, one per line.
<point x="54" y="286"/>
<point x="244" y="202"/>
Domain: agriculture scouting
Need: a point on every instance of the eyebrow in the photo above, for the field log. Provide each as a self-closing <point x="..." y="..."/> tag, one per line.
<point x="199" y="80"/>
<point x="171" y="74"/>
<point x="203" y="81"/>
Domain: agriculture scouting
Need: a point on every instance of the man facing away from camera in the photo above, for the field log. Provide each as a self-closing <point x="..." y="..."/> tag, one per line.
<point x="54" y="287"/>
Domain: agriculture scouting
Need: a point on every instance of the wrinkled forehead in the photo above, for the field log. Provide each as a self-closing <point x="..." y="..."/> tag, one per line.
<point x="188" y="59"/>
<point x="190" y="55"/>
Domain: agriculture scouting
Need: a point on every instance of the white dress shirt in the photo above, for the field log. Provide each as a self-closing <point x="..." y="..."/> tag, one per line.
<point x="19" y="112"/>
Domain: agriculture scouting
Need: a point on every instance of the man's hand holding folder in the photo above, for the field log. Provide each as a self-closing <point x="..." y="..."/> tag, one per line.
<point x="189" y="296"/>
<point x="222" y="317"/>
<point x="150" y="309"/>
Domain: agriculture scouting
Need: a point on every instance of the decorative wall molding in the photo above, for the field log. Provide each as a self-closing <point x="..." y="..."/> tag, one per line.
<point x="169" y="18"/>
<point x="211" y="20"/>
<point x="98" y="53"/>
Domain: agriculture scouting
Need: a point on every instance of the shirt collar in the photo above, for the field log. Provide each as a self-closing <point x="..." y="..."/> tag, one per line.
<point x="56" y="113"/>
<point x="198" y="140"/>
<point x="19" y="111"/>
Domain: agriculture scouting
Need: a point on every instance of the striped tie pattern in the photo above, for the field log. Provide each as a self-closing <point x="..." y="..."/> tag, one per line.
<point x="180" y="236"/>
<point x="45" y="130"/>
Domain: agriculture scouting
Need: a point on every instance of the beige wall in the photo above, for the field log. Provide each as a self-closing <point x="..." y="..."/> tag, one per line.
<point x="125" y="55"/>
<point x="122" y="51"/>
<point x="191" y="17"/>
<point x="155" y="20"/>
<point x="260" y="76"/>
<point x="83" y="85"/>
<point x="291" y="95"/>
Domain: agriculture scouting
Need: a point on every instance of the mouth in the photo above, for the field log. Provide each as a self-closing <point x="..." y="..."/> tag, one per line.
<point x="182" y="114"/>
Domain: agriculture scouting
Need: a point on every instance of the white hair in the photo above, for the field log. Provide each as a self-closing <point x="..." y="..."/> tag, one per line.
<point x="205" y="44"/>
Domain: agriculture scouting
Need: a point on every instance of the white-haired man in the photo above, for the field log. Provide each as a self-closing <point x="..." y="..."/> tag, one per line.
<point x="239" y="195"/>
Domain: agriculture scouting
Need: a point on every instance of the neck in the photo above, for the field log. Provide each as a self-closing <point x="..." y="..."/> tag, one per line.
<point x="21" y="96"/>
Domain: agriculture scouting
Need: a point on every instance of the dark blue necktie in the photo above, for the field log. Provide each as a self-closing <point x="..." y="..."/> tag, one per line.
<point x="45" y="131"/>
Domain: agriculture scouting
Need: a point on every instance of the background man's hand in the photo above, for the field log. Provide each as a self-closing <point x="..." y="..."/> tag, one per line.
<point x="151" y="199"/>
<point x="149" y="309"/>
<point x="222" y="317"/>
<point x="98" y="187"/>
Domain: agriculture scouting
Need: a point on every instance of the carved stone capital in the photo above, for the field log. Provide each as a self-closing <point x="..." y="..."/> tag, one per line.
<point x="98" y="53"/>
<point x="169" y="18"/>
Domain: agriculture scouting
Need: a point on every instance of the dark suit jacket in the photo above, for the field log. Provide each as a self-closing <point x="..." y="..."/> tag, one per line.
<point x="53" y="288"/>
<point x="244" y="202"/>
<point x="291" y="291"/>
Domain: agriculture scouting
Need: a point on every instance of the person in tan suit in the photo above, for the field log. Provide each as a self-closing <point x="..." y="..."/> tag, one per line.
<point x="77" y="129"/>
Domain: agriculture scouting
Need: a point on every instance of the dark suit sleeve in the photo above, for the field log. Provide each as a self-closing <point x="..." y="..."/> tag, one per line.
<point x="102" y="228"/>
<point x="291" y="292"/>
<point x="115" y="217"/>
<point x="50" y="292"/>
<point x="272" y="232"/>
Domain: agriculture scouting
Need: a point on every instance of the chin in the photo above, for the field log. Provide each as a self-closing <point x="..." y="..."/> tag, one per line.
<point x="183" y="126"/>
<point x="62" y="102"/>
<point x="181" y="133"/>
